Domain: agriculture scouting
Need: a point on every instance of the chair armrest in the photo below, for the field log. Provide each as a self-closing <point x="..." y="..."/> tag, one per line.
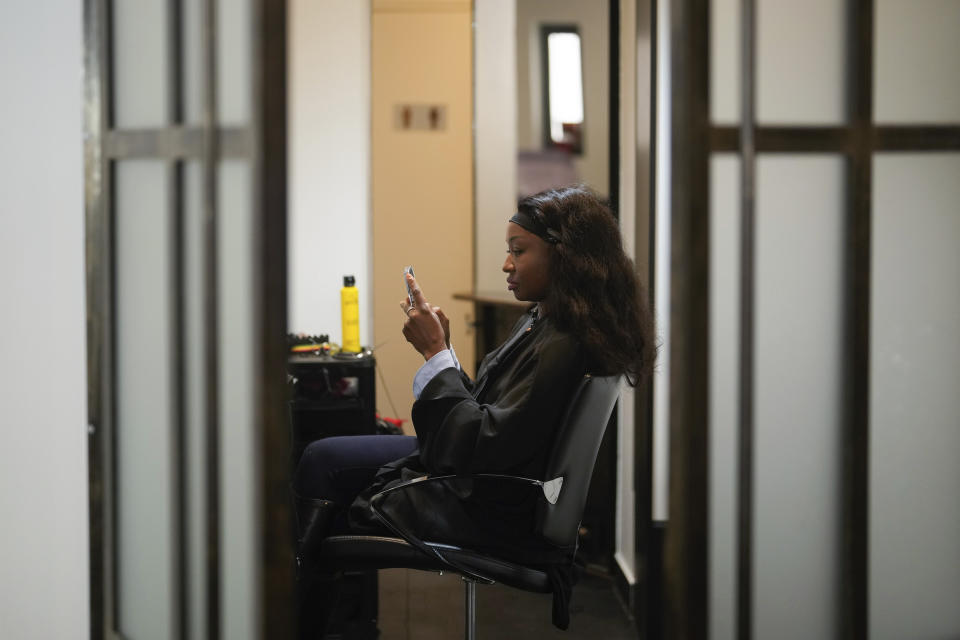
<point x="551" y="489"/>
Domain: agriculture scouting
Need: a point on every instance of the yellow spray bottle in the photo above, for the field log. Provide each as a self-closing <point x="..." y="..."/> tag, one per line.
<point x="350" y="316"/>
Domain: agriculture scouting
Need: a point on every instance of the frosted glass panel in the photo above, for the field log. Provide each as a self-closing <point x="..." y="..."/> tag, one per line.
<point x="914" y="399"/>
<point x="917" y="62"/>
<point x="801" y="61"/>
<point x="195" y="394"/>
<point x="193" y="61"/>
<point x="724" y="390"/>
<point x="140" y="56"/>
<point x="236" y="305"/>
<point x="234" y="62"/>
<point x="725" y="61"/>
<point x="797" y="402"/>
<point x="145" y="402"/>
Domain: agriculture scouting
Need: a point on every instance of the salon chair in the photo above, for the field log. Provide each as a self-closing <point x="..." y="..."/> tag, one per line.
<point x="561" y="501"/>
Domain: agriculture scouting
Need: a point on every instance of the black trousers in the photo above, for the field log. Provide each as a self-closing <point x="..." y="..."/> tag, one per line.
<point x="337" y="469"/>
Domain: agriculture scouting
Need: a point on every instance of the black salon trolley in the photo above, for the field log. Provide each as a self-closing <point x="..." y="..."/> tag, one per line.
<point x="330" y="396"/>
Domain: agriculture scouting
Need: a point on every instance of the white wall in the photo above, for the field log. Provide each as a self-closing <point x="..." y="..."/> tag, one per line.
<point x="329" y="163"/>
<point x="495" y="117"/>
<point x="44" y="579"/>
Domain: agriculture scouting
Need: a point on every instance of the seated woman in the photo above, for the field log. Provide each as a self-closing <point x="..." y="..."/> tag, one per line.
<point x="590" y="315"/>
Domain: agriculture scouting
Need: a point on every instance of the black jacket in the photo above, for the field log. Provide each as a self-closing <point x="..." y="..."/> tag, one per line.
<point x="503" y="423"/>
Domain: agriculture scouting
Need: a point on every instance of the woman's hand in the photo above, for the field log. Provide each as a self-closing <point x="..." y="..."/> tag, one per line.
<point x="444" y="322"/>
<point x="423" y="328"/>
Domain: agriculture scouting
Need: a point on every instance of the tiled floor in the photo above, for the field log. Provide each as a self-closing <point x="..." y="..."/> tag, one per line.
<point x="416" y="605"/>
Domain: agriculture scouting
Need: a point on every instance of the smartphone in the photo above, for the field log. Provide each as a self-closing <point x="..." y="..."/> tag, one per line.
<point x="406" y="270"/>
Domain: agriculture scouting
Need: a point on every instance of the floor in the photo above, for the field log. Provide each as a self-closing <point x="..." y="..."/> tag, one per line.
<point x="417" y="605"/>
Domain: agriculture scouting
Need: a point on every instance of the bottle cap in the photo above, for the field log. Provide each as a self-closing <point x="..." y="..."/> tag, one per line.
<point x="348" y="281"/>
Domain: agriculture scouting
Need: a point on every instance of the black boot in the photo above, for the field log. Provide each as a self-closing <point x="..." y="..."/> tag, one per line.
<point x="317" y="590"/>
<point x="314" y="517"/>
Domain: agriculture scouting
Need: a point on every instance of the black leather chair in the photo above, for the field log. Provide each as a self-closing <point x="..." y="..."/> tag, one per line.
<point x="564" y="494"/>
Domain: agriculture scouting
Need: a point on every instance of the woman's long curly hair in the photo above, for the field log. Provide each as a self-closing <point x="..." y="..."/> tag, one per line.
<point x="594" y="290"/>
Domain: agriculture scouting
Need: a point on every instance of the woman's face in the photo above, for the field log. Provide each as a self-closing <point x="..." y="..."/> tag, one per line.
<point x="527" y="265"/>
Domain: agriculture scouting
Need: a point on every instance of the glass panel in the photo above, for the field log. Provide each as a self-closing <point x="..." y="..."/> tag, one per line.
<point x="914" y="404"/>
<point x="724" y="391"/>
<point x="195" y="394"/>
<point x="801" y="62"/>
<point x="797" y="396"/>
<point x="145" y="402"/>
<point x="238" y="391"/>
<point x="140" y="56"/>
<point x="917" y="61"/>
<point x="725" y="61"/>
<point x="234" y="62"/>
<point x="193" y="61"/>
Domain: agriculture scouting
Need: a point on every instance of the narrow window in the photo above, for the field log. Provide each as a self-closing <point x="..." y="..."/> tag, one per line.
<point x="563" y="71"/>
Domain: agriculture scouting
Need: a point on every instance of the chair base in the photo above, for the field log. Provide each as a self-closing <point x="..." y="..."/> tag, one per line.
<point x="469" y="609"/>
<point x="382" y="552"/>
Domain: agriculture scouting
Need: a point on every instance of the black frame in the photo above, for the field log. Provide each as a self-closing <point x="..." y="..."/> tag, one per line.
<point x="694" y="140"/>
<point x="686" y="535"/>
<point x="648" y="604"/>
<point x="263" y="144"/>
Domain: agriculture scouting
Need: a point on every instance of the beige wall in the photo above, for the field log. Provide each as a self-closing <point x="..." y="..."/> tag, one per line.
<point x="422" y="180"/>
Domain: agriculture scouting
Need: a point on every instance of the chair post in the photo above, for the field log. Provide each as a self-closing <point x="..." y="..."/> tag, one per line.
<point x="470" y="609"/>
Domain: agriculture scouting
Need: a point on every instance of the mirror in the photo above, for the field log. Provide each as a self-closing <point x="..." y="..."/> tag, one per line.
<point x="563" y="102"/>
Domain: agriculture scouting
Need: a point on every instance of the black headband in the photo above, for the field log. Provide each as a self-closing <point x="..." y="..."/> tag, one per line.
<point x="534" y="226"/>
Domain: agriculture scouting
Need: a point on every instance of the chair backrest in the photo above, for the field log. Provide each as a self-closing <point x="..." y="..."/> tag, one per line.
<point x="574" y="455"/>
